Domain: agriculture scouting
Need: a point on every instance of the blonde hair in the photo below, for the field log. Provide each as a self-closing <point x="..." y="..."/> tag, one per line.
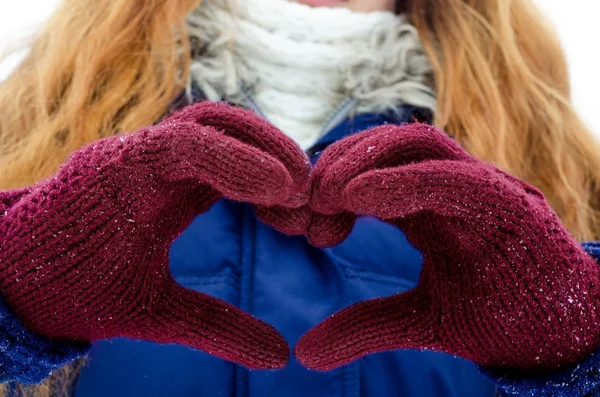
<point x="106" y="66"/>
<point x="98" y="68"/>
<point x="503" y="92"/>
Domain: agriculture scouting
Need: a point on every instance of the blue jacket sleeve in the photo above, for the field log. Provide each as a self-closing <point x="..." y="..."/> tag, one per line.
<point x="29" y="358"/>
<point x="580" y="380"/>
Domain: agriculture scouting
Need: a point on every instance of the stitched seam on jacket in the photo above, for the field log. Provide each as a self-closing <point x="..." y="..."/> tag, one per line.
<point x="225" y="278"/>
<point x="382" y="280"/>
<point x="193" y="285"/>
<point x="353" y="271"/>
<point x="247" y="258"/>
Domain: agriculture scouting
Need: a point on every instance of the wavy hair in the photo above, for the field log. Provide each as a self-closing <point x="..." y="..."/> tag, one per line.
<point x="503" y="92"/>
<point x="107" y="66"/>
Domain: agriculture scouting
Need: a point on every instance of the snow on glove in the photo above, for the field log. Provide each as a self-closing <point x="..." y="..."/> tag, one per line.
<point x="84" y="255"/>
<point x="503" y="282"/>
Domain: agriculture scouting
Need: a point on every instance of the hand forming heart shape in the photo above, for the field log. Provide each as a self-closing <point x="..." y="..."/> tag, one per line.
<point x="503" y="283"/>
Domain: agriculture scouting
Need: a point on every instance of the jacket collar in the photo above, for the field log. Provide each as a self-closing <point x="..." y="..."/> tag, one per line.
<point x="341" y="123"/>
<point x="350" y="125"/>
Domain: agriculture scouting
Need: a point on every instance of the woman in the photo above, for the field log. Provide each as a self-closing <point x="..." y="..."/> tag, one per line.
<point x="499" y="280"/>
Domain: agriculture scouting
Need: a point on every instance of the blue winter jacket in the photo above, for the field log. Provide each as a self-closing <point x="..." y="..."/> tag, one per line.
<point x="228" y="253"/>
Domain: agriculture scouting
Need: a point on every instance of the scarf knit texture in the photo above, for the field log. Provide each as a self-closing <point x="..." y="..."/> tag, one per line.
<point x="299" y="63"/>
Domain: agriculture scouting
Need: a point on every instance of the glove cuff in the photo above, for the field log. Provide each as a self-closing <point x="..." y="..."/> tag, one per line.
<point x="26" y="357"/>
<point x="578" y="380"/>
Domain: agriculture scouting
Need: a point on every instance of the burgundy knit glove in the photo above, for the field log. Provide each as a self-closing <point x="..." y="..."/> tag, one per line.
<point x="84" y="255"/>
<point x="503" y="283"/>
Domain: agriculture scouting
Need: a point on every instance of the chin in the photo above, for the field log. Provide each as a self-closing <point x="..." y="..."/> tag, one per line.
<point x="324" y="3"/>
<point x="354" y="5"/>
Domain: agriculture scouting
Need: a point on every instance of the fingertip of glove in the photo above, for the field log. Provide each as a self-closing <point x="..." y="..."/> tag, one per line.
<point x="272" y="353"/>
<point x="196" y="111"/>
<point x="277" y="190"/>
<point x="307" y="354"/>
<point x="290" y="221"/>
<point x="363" y="195"/>
<point x="326" y="242"/>
<point x="323" y="202"/>
<point x="329" y="230"/>
<point x="281" y="359"/>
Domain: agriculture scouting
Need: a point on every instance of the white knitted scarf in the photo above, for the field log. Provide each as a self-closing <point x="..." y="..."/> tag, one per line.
<point x="299" y="63"/>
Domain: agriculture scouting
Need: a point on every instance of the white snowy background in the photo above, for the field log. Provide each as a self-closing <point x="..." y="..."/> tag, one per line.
<point x="577" y="22"/>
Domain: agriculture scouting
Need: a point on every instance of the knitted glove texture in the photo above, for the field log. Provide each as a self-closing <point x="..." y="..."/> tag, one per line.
<point x="84" y="255"/>
<point x="503" y="282"/>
